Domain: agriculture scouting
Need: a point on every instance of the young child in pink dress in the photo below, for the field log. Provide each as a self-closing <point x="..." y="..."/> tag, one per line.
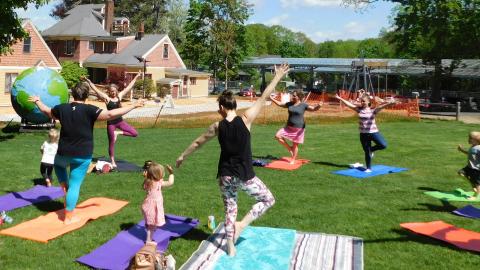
<point x="152" y="206"/>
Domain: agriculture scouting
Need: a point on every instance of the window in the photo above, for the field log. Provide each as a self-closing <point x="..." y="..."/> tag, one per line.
<point x="9" y="80"/>
<point x="69" y="47"/>
<point x="27" y="45"/>
<point x="165" y="50"/>
<point x="110" y="47"/>
<point x="193" y="81"/>
<point x="91" y="45"/>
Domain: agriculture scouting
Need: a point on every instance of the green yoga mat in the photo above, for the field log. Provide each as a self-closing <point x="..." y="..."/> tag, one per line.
<point x="458" y="195"/>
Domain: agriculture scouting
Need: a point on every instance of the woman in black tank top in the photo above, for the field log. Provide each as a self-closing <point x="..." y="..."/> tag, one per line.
<point x="235" y="170"/>
<point x="113" y="100"/>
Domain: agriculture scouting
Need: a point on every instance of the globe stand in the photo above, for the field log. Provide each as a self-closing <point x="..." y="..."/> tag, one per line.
<point x="26" y="126"/>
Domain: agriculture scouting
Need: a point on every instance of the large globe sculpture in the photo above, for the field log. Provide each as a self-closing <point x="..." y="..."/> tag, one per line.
<point x="38" y="81"/>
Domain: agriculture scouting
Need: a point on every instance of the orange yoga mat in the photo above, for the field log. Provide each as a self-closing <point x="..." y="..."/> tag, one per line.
<point x="51" y="225"/>
<point x="459" y="237"/>
<point x="284" y="164"/>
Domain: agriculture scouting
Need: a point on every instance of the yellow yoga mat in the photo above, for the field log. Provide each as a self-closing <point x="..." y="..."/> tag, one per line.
<point x="51" y="225"/>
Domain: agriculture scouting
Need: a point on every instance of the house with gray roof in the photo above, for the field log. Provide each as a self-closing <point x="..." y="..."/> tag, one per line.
<point x="91" y="36"/>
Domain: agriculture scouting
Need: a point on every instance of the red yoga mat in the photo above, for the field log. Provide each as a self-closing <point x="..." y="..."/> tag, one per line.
<point x="284" y="164"/>
<point x="440" y="230"/>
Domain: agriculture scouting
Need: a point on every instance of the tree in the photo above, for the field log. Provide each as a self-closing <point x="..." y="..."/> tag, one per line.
<point x="375" y="48"/>
<point x="11" y="28"/>
<point x="227" y="31"/>
<point x="151" y="12"/>
<point x="216" y="34"/>
<point x="177" y="17"/>
<point x="436" y="30"/>
<point x="196" y="30"/>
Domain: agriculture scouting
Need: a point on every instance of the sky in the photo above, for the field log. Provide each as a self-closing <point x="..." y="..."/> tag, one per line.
<point x="320" y="20"/>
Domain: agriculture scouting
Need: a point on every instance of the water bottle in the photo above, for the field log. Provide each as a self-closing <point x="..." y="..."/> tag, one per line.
<point x="6" y="218"/>
<point x="211" y="223"/>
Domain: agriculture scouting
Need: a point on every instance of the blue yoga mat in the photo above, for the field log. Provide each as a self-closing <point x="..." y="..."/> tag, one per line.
<point x="376" y="170"/>
<point x="260" y="248"/>
<point x="468" y="211"/>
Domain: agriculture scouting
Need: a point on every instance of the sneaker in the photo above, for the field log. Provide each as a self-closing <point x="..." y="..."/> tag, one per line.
<point x="355" y="165"/>
<point x="368" y="170"/>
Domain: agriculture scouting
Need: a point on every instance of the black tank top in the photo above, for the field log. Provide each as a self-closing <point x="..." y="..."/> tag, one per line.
<point x="113" y="105"/>
<point x="236" y="152"/>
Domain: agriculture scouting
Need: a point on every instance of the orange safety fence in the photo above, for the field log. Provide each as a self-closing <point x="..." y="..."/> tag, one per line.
<point x="332" y="111"/>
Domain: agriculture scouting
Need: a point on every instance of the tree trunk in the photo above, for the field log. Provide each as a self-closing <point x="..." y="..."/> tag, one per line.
<point x="226" y="73"/>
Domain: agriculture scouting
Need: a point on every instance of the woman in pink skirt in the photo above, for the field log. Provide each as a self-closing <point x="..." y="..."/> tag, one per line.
<point x="152" y="206"/>
<point x="295" y="129"/>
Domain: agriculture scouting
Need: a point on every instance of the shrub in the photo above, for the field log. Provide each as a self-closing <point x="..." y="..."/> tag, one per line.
<point x="149" y="88"/>
<point x="163" y="90"/>
<point x="71" y="72"/>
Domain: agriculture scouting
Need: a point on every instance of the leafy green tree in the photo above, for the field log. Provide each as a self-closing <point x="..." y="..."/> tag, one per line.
<point x="11" y="29"/>
<point x="71" y="72"/>
<point x="436" y="30"/>
<point x="153" y="13"/>
<point x="194" y="50"/>
<point x="257" y="36"/>
<point x="177" y="12"/>
<point x="216" y="34"/>
<point x="326" y="49"/>
<point x="375" y="48"/>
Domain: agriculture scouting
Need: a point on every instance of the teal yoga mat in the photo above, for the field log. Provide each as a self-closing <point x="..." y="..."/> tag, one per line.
<point x="458" y="195"/>
<point x="260" y="248"/>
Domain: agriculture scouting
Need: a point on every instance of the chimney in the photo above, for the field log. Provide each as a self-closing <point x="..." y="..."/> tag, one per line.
<point x="108" y="16"/>
<point x="140" y="32"/>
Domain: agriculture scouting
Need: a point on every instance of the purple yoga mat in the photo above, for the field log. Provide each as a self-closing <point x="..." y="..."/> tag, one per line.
<point x="468" y="211"/>
<point x="36" y="194"/>
<point x="117" y="253"/>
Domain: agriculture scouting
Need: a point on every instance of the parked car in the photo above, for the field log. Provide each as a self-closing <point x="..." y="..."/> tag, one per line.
<point x="246" y="93"/>
<point x="217" y="90"/>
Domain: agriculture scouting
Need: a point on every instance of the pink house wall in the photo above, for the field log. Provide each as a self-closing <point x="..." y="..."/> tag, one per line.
<point x="123" y="43"/>
<point x="156" y="58"/>
<point x="38" y="51"/>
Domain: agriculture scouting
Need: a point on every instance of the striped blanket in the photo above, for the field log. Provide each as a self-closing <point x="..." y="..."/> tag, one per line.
<point x="310" y="251"/>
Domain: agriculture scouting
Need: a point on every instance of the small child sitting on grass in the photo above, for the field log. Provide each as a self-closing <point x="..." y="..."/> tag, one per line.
<point x="472" y="170"/>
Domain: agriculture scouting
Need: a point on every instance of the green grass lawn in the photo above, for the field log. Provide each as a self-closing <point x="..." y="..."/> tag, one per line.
<point x="310" y="199"/>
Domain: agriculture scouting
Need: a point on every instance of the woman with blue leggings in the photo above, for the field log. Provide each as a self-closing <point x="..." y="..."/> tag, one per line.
<point x="75" y="147"/>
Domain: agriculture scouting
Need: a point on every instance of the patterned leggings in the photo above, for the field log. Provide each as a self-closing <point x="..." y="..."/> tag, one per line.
<point x="254" y="188"/>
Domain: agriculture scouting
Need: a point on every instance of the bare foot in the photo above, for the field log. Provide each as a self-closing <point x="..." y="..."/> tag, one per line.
<point x="238" y="231"/>
<point x="71" y="220"/>
<point x="292" y="162"/>
<point x="49" y="183"/>
<point x="231" y="250"/>
<point x="472" y="198"/>
<point x="115" y="134"/>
